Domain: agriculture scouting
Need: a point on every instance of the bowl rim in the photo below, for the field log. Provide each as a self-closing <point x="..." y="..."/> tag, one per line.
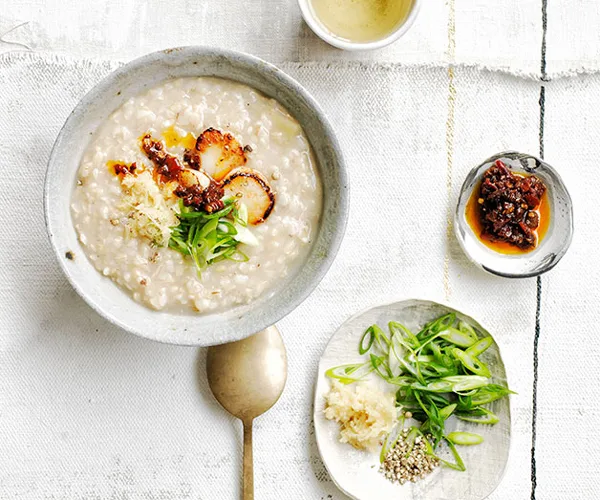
<point x="325" y="35"/>
<point x="458" y="214"/>
<point x="337" y="229"/>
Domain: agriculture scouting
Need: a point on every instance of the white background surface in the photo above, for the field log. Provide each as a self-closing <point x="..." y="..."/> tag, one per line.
<point x="89" y="412"/>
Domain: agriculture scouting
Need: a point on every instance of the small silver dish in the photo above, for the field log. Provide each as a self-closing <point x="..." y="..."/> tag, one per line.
<point x="552" y="246"/>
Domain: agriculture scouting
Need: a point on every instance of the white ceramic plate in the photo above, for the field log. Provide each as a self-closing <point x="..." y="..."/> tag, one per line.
<point x="357" y="474"/>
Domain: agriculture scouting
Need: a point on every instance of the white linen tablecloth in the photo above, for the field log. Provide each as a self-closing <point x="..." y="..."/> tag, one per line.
<point x="90" y="412"/>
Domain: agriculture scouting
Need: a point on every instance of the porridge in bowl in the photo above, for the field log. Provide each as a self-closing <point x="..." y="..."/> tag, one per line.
<point x="198" y="195"/>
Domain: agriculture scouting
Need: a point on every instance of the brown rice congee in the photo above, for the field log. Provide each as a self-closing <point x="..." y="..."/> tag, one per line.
<point x="131" y="192"/>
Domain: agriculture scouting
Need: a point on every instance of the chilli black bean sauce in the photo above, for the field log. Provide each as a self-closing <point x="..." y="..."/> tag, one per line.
<point x="509" y="212"/>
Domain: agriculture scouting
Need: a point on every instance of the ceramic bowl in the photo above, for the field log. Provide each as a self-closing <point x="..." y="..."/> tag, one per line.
<point x="332" y="39"/>
<point x="552" y="246"/>
<point x="105" y="296"/>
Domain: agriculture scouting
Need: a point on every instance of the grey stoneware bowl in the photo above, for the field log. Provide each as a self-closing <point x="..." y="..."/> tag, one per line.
<point x="552" y="246"/>
<point x="111" y="301"/>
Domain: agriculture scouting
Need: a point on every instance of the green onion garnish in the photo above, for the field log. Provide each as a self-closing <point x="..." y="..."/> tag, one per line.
<point x="209" y="238"/>
<point x="436" y="373"/>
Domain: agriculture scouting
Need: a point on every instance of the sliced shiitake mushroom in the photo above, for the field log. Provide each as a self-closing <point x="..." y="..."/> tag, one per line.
<point x="252" y="189"/>
<point x="216" y="153"/>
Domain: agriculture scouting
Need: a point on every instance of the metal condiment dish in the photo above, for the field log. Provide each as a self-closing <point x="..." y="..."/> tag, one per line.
<point x="552" y="246"/>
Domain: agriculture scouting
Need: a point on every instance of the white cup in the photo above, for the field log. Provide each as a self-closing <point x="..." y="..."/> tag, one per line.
<point x="322" y="32"/>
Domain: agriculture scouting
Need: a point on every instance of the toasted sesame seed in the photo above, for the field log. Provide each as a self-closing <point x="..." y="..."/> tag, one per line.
<point x="408" y="463"/>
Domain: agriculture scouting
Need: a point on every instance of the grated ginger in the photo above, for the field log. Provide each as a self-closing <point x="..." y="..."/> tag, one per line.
<point x="365" y="413"/>
<point x="149" y="215"/>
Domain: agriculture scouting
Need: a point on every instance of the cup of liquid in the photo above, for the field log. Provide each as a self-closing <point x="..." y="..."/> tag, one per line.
<point x="359" y="24"/>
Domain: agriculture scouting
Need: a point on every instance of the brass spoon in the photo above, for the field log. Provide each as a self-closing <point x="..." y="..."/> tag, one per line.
<point x="247" y="377"/>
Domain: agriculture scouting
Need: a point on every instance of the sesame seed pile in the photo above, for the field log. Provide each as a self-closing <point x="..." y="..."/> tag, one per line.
<point x="408" y="463"/>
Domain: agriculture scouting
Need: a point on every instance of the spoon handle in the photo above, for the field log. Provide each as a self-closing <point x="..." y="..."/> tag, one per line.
<point x="248" y="487"/>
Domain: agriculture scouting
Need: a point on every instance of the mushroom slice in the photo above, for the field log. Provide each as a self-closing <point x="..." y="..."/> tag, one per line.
<point x="252" y="189"/>
<point x="216" y="153"/>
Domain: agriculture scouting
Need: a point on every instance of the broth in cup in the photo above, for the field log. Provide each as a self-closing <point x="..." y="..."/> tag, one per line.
<point x="361" y="20"/>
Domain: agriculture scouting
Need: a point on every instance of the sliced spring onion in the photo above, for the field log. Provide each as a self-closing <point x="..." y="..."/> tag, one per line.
<point x="437" y="352"/>
<point x="381" y="340"/>
<point x="410" y="440"/>
<point x="423" y="358"/>
<point x="209" y="238"/>
<point x="459" y="465"/>
<point x="467" y="329"/>
<point x="348" y="374"/>
<point x="437" y="386"/>
<point x="437" y="325"/>
<point x="400" y="381"/>
<point x="409" y="368"/>
<point x="457" y="337"/>
<point x="436" y="373"/>
<point x="487" y="417"/>
<point x="446" y="411"/>
<point x="480" y="346"/>
<point x="397" y="329"/>
<point x="464" y="438"/>
<point x="380" y="366"/>
<point x="391" y="439"/>
<point x="466" y="382"/>
<point x="395" y="354"/>
<point x="242" y="214"/>
<point x="370" y="336"/>
<point x="471" y="363"/>
<point x="245" y="236"/>
<point x="490" y="393"/>
<point x="221" y="213"/>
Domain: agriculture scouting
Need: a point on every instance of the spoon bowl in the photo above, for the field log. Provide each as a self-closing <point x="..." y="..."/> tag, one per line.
<point x="247" y="378"/>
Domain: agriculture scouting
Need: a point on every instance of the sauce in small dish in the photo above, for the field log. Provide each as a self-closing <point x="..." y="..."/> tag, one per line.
<point x="509" y="212"/>
<point x="514" y="216"/>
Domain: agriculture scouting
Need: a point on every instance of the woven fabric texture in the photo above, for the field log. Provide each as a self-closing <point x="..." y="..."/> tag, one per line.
<point x="90" y="412"/>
